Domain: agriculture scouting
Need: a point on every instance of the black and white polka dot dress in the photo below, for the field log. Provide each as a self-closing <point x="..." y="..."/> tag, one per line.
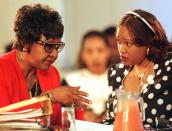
<point x="157" y="95"/>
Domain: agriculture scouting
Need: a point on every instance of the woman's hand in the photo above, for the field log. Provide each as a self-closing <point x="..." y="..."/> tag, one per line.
<point x="70" y="96"/>
<point x="89" y="115"/>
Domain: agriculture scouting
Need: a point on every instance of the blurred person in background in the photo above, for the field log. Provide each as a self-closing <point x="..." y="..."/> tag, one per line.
<point x="145" y="68"/>
<point x="110" y="34"/>
<point x="91" y="76"/>
<point x="27" y="70"/>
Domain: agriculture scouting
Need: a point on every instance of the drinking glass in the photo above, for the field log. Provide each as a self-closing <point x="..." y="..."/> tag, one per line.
<point x="68" y="119"/>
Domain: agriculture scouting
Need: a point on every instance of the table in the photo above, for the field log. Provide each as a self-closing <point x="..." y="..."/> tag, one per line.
<point x="90" y="126"/>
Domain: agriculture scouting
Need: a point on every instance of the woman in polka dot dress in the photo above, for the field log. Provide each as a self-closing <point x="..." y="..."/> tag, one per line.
<point x="145" y="66"/>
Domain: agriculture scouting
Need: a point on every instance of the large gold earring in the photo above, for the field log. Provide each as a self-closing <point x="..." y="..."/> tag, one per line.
<point x="24" y="50"/>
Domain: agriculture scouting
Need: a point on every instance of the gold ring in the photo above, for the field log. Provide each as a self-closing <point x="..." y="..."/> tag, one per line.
<point x="74" y="103"/>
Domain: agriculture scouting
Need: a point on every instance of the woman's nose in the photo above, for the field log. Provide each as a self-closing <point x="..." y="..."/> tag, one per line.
<point x="122" y="48"/>
<point x="54" y="53"/>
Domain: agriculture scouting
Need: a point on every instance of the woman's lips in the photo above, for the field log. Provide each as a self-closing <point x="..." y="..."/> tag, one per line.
<point x="50" y="61"/>
<point x="124" y="58"/>
<point x="96" y="64"/>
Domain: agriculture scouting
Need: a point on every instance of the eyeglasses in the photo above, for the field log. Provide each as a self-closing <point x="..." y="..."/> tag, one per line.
<point x="50" y="46"/>
<point x="127" y="43"/>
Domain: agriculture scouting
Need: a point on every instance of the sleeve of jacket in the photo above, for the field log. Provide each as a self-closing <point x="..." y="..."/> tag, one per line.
<point x="4" y="94"/>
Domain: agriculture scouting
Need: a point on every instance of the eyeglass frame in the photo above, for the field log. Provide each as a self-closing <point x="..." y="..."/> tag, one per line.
<point x="58" y="46"/>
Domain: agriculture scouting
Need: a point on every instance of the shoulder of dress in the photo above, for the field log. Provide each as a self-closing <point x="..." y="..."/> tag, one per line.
<point x="117" y="67"/>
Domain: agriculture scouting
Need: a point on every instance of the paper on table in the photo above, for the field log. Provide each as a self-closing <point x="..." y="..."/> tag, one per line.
<point x="90" y="126"/>
<point x="33" y="118"/>
<point x="9" y="116"/>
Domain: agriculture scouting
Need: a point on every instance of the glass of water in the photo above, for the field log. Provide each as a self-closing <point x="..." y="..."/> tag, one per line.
<point x="68" y="119"/>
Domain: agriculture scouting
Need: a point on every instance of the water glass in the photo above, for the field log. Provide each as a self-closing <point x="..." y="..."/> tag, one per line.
<point x="68" y="119"/>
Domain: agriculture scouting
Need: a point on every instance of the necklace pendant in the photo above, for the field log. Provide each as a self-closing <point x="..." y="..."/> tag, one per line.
<point x="140" y="76"/>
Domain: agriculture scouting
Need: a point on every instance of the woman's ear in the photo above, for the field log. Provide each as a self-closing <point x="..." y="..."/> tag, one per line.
<point x="147" y="51"/>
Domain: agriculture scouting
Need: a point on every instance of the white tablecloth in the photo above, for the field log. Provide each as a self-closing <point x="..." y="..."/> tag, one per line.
<point x="90" y="126"/>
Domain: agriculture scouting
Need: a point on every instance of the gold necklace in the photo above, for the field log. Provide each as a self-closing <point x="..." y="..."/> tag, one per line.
<point x="142" y="75"/>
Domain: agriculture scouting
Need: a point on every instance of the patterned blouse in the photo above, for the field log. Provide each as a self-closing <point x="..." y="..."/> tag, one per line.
<point x="157" y="95"/>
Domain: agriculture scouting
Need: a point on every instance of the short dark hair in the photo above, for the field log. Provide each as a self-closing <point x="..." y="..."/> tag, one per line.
<point x="142" y="35"/>
<point x="33" y="21"/>
<point x="89" y="34"/>
<point x="111" y="30"/>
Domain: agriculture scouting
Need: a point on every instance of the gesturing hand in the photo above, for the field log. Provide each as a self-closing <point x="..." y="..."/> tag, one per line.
<point x="70" y="95"/>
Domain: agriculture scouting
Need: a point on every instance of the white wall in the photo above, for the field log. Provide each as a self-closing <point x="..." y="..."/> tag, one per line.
<point x="80" y="16"/>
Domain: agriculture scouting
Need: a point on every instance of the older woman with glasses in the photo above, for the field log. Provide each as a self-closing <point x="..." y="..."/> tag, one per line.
<point x="27" y="70"/>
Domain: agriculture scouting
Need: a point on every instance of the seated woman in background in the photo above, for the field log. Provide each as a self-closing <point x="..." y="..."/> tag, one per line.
<point x="91" y="76"/>
<point x="110" y="33"/>
<point x="145" y="68"/>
